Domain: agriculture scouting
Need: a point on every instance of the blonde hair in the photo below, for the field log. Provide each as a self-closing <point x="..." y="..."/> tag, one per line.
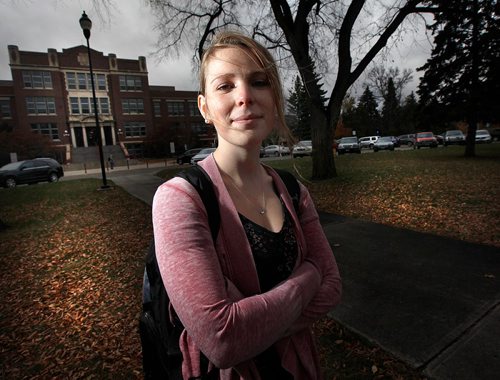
<point x="262" y="57"/>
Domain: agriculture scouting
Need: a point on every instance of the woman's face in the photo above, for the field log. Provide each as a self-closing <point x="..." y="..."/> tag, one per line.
<point x="238" y="98"/>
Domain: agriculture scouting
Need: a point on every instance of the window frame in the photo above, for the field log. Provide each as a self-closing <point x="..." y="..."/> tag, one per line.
<point x="37" y="79"/>
<point x="41" y="105"/>
<point x="43" y="128"/>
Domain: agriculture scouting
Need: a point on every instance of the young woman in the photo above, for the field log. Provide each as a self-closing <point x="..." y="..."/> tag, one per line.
<point x="247" y="300"/>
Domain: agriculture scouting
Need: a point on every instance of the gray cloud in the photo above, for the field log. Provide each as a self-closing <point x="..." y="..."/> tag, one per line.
<point x="36" y="25"/>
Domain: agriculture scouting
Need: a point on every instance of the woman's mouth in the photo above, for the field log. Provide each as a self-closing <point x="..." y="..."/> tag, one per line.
<point x="245" y="118"/>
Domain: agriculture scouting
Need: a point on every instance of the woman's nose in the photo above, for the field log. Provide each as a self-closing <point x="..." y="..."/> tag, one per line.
<point x="244" y="94"/>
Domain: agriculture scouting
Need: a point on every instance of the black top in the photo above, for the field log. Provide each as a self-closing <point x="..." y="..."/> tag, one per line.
<point x="274" y="254"/>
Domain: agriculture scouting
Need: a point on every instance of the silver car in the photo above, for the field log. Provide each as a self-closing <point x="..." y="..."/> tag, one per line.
<point x="348" y="145"/>
<point x="302" y="148"/>
<point x="383" y="143"/>
<point x="276" y="150"/>
<point x="483" y="136"/>
<point x="204" y="153"/>
<point x="455" y="136"/>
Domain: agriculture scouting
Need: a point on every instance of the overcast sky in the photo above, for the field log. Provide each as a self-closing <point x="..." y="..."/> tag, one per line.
<point x="36" y="25"/>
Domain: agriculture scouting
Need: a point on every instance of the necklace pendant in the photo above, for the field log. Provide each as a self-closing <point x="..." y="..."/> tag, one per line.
<point x="262" y="211"/>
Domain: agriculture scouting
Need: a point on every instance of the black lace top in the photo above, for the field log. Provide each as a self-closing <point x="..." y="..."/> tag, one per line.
<point x="274" y="253"/>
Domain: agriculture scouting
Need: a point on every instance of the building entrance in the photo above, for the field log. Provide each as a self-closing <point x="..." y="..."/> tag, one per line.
<point x="78" y="132"/>
<point x="87" y="136"/>
<point x="92" y="137"/>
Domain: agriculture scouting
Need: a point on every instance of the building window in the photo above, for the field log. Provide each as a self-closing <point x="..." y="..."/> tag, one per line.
<point x="135" y="129"/>
<point x="71" y="81"/>
<point x="135" y="150"/>
<point x="41" y="105"/>
<point x="133" y="106"/>
<point x="199" y="127"/>
<point x="81" y="81"/>
<point x="5" y="108"/>
<point x="130" y="83"/>
<point x="37" y="79"/>
<point x="193" y="109"/>
<point x="101" y="81"/>
<point x="157" y="108"/>
<point x="104" y="106"/>
<point x="74" y="105"/>
<point x="47" y="129"/>
<point x="85" y="106"/>
<point x="175" y="108"/>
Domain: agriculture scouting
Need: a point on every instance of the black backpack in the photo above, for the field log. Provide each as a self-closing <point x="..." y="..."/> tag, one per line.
<point x="161" y="356"/>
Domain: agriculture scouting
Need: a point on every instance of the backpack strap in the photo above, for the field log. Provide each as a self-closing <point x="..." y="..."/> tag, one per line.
<point x="292" y="185"/>
<point x="200" y="180"/>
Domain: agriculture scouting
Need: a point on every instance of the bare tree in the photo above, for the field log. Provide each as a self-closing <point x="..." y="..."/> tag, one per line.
<point x="378" y="77"/>
<point x="320" y="37"/>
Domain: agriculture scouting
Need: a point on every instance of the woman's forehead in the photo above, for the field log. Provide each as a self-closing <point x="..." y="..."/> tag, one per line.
<point x="231" y="60"/>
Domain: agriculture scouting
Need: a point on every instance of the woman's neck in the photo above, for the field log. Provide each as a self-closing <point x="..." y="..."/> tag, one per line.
<point x="242" y="165"/>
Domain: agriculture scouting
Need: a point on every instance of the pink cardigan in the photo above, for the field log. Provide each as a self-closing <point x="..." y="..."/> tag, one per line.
<point x="215" y="290"/>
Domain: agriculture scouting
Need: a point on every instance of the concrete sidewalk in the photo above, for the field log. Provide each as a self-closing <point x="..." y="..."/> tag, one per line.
<point x="431" y="301"/>
<point x="69" y="172"/>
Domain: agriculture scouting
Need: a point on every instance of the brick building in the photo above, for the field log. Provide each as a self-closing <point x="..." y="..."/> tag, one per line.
<point x="50" y="93"/>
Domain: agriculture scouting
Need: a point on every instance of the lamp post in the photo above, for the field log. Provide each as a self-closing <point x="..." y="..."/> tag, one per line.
<point x="86" y="25"/>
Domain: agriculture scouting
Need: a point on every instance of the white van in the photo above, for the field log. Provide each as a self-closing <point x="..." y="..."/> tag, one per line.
<point x="367" y="142"/>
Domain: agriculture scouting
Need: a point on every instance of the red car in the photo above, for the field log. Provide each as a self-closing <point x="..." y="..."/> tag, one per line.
<point x="425" y="139"/>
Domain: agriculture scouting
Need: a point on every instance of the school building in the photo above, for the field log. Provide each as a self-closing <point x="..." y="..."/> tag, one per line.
<point x="50" y="93"/>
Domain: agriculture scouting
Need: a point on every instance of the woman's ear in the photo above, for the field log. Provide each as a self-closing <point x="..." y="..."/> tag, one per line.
<point x="202" y="106"/>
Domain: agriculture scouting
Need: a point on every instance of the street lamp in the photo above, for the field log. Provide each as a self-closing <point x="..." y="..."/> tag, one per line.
<point x="86" y="25"/>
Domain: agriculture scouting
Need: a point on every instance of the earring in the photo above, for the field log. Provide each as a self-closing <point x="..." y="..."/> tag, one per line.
<point x="207" y="121"/>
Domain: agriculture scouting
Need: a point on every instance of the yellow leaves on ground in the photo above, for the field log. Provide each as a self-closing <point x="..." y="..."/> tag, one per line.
<point x="71" y="290"/>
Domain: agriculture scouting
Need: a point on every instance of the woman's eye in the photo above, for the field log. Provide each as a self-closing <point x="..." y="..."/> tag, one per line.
<point x="224" y="87"/>
<point x="261" y="83"/>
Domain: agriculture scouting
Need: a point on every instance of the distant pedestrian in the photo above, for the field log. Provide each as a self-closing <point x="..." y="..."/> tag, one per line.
<point x="111" y="162"/>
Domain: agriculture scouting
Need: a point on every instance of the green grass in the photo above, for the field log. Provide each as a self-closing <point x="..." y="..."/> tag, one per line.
<point x="430" y="190"/>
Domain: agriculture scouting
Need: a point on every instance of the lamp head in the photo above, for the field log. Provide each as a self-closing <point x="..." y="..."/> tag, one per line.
<point x="86" y="25"/>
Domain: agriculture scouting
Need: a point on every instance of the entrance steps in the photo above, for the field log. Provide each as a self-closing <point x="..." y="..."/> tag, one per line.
<point x="88" y="158"/>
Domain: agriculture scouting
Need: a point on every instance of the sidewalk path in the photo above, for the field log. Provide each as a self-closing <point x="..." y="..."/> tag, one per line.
<point x="433" y="302"/>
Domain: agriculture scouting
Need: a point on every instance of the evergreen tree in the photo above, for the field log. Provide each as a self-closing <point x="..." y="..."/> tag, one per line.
<point x="463" y="72"/>
<point x="299" y="105"/>
<point x="367" y="115"/>
<point x="409" y="118"/>
<point x="391" y="111"/>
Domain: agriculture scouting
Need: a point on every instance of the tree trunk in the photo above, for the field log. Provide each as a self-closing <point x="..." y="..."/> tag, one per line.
<point x="470" y="144"/>
<point x="322" y="139"/>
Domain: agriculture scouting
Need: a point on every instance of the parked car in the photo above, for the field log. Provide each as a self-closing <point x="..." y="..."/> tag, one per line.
<point x="30" y="171"/>
<point x="383" y="143"/>
<point x="423" y="139"/>
<point x="367" y="141"/>
<point x="483" y="136"/>
<point x="302" y="148"/>
<point x="276" y="150"/>
<point x="262" y="152"/>
<point x="495" y="134"/>
<point x="185" y="158"/>
<point x="395" y="141"/>
<point x="440" y="139"/>
<point x="204" y="153"/>
<point x="348" y="145"/>
<point x="454" y="136"/>
<point x="408" y="139"/>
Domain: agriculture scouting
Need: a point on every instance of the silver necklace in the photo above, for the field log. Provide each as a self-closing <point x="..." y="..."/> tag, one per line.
<point x="261" y="210"/>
